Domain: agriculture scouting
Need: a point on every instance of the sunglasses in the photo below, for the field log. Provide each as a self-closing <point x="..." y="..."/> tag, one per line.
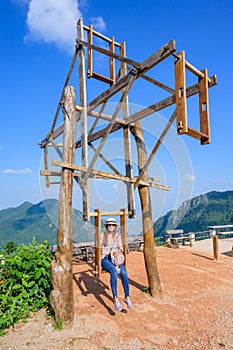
<point x="111" y="225"/>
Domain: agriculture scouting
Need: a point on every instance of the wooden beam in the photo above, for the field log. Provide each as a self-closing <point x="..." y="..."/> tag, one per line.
<point x="90" y="53"/>
<point x="204" y="108"/>
<point x="106" y="161"/>
<point x="181" y="104"/>
<point x="105" y="174"/>
<point x="83" y="121"/>
<point x="112" y="64"/>
<point x="57" y="149"/>
<point x="46" y="165"/>
<point x="157" y="83"/>
<point x="109" y="53"/>
<point x="157" y="57"/>
<point x="127" y="144"/>
<point x="63" y="90"/>
<point x="98" y="242"/>
<point x="123" y="233"/>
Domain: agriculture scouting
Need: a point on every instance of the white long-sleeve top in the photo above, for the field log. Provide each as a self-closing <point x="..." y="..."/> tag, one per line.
<point x="112" y="244"/>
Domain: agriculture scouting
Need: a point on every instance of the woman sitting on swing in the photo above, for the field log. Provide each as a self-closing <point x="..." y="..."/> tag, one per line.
<point x="112" y="260"/>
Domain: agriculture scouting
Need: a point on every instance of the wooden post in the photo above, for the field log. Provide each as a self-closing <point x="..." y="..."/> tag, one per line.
<point x="61" y="297"/>
<point x="149" y="246"/>
<point x="83" y="120"/>
<point x="127" y="143"/>
<point x="46" y="165"/>
<point x="181" y="104"/>
<point x="215" y="247"/>
<point x="204" y="107"/>
<point x="123" y="232"/>
<point x="98" y="242"/>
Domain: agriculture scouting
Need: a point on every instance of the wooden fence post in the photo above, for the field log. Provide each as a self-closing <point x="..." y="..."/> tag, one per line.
<point x="215" y="246"/>
<point x="61" y="297"/>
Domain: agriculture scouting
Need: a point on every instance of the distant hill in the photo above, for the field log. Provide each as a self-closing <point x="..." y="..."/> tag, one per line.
<point x="212" y="208"/>
<point x="29" y="220"/>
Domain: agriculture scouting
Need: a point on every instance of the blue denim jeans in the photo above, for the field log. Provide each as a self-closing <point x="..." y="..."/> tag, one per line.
<point x="109" y="267"/>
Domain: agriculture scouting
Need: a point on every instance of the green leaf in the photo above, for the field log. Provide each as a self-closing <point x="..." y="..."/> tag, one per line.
<point x="30" y="284"/>
<point x="38" y="274"/>
<point x="17" y="286"/>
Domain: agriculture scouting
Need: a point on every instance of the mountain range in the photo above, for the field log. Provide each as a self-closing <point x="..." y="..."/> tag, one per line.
<point x="195" y="215"/>
<point x="28" y="220"/>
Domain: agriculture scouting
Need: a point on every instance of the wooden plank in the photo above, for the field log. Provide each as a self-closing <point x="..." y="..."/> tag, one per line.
<point x="108" y="213"/>
<point x="181" y="105"/>
<point x="109" y="53"/>
<point x="127" y="144"/>
<point x="90" y="53"/>
<point x="75" y="174"/>
<point x="109" y="175"/>
<point x="196" y="134"/>
<point x="83" y="121"/>
<point x="204" y="107"/>
<point x="57" y="149"/>
<point x="100" y="35"/>
<point x="158" y="56"/>
<point x="102" y="78"/>
<point x="112" y="64"/>
<point x="123" y="232"/>
<point x="106" y="161"/>
<point x="196" y="71"/>
<point x="98" y="242"/>
<point x="63" y="90"/>
<point x="157" y="83"/>
<point x="46" y="165"/>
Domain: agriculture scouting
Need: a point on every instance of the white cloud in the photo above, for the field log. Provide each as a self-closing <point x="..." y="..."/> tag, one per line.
<point x="98" y="23"/>
<point x="19" y="171"/>
<point x="53" y="22"/>
<point x="190" y="177"/>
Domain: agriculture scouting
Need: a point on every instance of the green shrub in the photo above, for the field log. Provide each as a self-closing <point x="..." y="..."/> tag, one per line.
<point x="24" y="281"/>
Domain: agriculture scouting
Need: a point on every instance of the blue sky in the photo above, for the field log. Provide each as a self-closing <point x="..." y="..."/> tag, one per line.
<point x="37" y="41"/>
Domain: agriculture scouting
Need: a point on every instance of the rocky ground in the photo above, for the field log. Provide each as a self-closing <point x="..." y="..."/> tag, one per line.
<point x="196" y="311"/>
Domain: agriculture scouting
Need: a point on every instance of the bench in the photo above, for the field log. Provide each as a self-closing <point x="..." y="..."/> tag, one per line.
<point x="174" y="237"/>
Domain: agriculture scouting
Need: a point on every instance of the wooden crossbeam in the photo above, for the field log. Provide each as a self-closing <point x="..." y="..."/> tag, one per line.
<point x="107" y="175"/>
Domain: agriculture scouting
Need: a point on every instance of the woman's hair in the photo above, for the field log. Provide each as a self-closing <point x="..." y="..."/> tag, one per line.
<point x="105" y="237"/>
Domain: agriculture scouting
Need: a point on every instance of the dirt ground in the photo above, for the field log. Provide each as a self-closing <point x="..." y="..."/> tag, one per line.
<point x="196" y="311"/>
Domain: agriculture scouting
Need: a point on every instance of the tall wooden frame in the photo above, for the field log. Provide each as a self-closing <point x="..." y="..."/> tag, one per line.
<point x="121" y="83"/>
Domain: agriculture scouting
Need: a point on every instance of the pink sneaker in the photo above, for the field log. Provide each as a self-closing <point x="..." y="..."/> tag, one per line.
<point x="129" y="303"/>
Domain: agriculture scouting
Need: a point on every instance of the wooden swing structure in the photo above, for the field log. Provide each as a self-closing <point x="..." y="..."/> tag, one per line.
<point x="119" y="83"/>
